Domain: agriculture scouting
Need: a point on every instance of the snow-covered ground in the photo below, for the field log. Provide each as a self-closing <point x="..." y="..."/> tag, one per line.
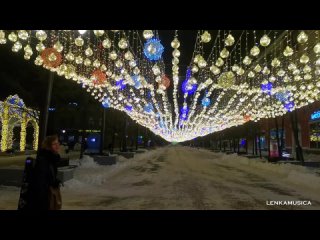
<point x="177" y="177"/>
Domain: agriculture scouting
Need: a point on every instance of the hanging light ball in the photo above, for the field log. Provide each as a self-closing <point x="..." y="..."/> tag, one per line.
<point x="79" y="60"/>
<point x="194" y="69"/>
<point x="88" y="52"/>
<point x="229" y="41"/>
<point x="246" y="118"/>
<point x="265" y="40"/>
<point x="215" y="70"/>
<point x="23" y="34"/>
<point x="79" y="41"/>
<point x="147" y="34"/>
<point x="98" y="77"/>
<point x="175" y="43"/>
<point x="41" y="35"/>
<point x="98" y="33"/>
<point x="275" y="62"/>
<point x="206" y="37"/>
<point x="13" y="37"/>
<point x="153" y="49"/>
<point x="202" y="63"/>
<point x="219" y="62"/>
<point x="123" y="44"/>
<point x="106" y="43"/>
<point x="3" y="39"/>
<point x="257" y="68"/>
<point x="247" y="60"/>
<point x="316" y="48"/>
<point x="165" y="81"/>
<point x="156" y="70"/>
<point x="255" y="51"/>
<point x="40" y="47"/>
<point x="82" y="31"/>
<point x="224" y="53"/>
<point x="17" y="46"/>
<point x="288" y="51"/>
<point x="302" y="37"/>
<point x="51" y="57"/>
<point x="304" y="59"/>
<point x="70" y="56"/>
<point x="205" y="101"/>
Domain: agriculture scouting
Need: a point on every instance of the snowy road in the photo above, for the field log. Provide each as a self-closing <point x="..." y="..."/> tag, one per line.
<point x="185" y="178"/>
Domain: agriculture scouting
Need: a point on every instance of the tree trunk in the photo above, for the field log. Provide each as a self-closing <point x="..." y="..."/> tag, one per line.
<point x="278" y="140"/>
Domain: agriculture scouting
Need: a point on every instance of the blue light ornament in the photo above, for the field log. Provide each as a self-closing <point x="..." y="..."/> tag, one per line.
<point x="153" y="49"/>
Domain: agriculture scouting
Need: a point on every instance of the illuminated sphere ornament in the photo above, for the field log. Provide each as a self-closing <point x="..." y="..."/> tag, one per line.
<point x="289" y="106"/>
<point x="304" y="59"/>
<point x="153" y="49"/>
<point x="255" y="51"/>
<point x="224" y="53"/>
<point x="41" y="35"/>
<point x="98" y="77"/>
<point x="98" y="33"/>
<point x="275" y="62"/>
<point x="247" y="60"/>
<point x="120" y="84"/>
<point x="106" y="43"/>
<point x="288" y="51"/>
<point x="219" y="62"/>
<point x="302" y="37"/>
<point x="3" y="39"/>
<point x="206" y="102"/>
<point x="13" y="37"/>
<point x="265" y="40"/>
<point x="136" y="81"/>
<point x="79" y="41"/>
<point x="184" y="113"/>
<point x="106" y="103"/>
<point x="229" y="41"/>
<point x="123" y="44"/>
<point x="23" y="34"/>
<point x="51" y="57"/>
<point x="82" y="31"/>
<point x="316" y="48"/>
<point x="215" y="70"/>
<point x="175" y="43"/>
<point x="147" y="34"/>
<point x="206" y="37"/>
<point x="128" y="108"/>
<point x="246" y="118"/>
<point x="165" y="81"/>
<point x="148" y="108"/>
<point x="266" y="88"/>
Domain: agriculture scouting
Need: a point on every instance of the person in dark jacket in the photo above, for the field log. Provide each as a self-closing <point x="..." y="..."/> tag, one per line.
<point x="45" y="173"/>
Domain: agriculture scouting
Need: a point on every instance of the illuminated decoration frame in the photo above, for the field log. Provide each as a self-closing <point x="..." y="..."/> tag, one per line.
<point x="243" y="75"/>
<point x="12" y="112"/>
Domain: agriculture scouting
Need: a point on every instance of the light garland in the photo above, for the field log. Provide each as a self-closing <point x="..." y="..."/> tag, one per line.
<point x="228" y="88"/>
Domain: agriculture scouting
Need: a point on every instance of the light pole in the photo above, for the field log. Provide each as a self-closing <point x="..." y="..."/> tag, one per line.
<point x="45" y="111"/>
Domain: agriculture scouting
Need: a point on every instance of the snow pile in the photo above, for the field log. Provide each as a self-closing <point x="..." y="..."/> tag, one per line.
<point x="89" y="173"/>
<point x="312" y="157"/>
<point x="290" y="173"/>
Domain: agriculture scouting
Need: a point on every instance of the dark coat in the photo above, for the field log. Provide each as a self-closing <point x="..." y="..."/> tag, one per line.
<point x="45" y="175"/>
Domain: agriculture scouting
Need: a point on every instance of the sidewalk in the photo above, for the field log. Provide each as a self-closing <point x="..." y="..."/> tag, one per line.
<point x="19" y="160"/>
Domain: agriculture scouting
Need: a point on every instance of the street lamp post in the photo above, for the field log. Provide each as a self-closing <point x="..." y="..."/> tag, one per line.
<point x="103" y="129"/>
<point x="45" y="111"/>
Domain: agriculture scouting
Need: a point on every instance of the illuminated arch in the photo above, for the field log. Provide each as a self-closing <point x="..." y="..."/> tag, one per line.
<point x="12" y="112"/>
